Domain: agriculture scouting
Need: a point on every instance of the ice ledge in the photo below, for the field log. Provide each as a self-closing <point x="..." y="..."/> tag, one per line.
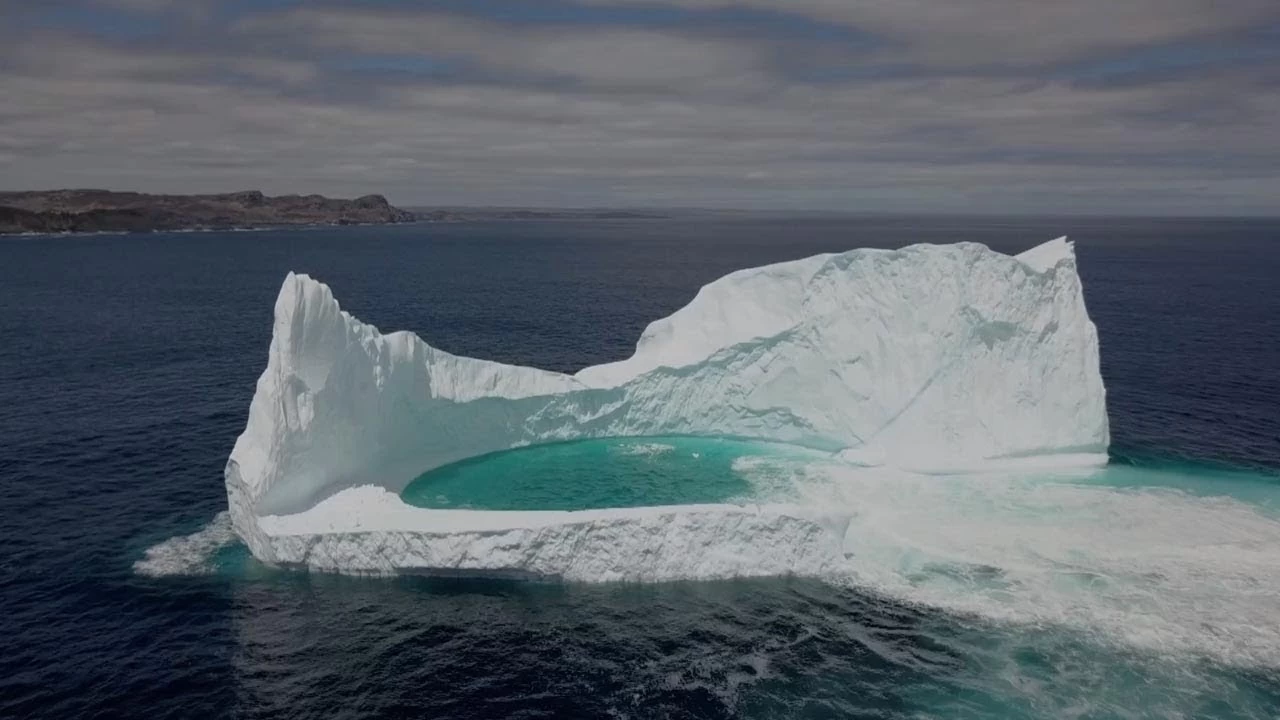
<point x="368" y="530"/>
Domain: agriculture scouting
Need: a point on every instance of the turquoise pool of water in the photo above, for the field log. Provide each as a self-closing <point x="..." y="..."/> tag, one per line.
<point x="600" y="473"/>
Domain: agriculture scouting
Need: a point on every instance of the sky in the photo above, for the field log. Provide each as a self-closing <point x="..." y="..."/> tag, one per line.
<point x="1166" y="107"/>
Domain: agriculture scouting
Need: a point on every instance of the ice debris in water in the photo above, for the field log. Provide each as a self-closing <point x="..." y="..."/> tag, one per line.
<point x="188" y="554"/>
<point x="646" y="449"/>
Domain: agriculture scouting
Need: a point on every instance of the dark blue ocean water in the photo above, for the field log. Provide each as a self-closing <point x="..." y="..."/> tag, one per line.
<point x="126" y="368"/>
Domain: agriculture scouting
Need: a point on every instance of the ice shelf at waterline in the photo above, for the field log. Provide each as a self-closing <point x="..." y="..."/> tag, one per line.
<point x="932" y="358"/>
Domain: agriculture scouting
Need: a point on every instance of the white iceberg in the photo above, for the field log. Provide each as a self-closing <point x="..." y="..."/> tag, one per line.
<point x="929" y="358"/>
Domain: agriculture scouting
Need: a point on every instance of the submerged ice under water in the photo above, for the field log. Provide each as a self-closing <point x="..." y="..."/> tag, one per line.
<point x="1145" y="590"/>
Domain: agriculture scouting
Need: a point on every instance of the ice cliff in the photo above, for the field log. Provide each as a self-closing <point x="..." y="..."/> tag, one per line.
<point x="933" y="358"/>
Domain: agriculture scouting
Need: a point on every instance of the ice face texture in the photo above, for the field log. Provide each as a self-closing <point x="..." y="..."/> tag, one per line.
<point x="935" y="358"/>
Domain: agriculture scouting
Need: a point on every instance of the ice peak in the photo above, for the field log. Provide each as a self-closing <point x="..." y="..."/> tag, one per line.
<point x="1046" y="255"/>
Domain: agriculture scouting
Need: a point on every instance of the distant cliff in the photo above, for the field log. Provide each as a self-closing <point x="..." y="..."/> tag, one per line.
<point x="106" y="211"/>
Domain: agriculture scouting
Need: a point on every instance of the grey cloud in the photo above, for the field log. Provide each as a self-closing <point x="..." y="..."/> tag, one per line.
<point x="196" y="11"/>
<point x="949" y="32"/>
<point x="604" y="56"/>
<point x="651" y="117"/>
<point x="151" y="5"/>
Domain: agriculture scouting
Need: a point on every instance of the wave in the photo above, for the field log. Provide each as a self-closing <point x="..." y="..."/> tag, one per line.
<point x="193" y="554"/>
<point x="1139" y="456"/>
<point x="1165" y="570"/>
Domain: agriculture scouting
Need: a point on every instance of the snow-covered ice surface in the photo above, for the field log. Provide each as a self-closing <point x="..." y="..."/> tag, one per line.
<point x="929" y="358"/>
<point x="369" y="529"/>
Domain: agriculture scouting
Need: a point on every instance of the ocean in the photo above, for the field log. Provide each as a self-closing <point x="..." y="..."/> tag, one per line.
<point x="127" y="363"/>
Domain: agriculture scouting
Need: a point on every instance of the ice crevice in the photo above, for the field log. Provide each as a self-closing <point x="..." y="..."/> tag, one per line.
<point x="931" y="357"/>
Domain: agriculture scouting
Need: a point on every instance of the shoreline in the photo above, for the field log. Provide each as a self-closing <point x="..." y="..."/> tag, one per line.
<point x="195" y="231"/>
<point x="323" y="226"/>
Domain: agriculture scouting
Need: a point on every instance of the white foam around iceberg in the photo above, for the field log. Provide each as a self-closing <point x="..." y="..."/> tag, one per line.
<point x="930" y="358"/>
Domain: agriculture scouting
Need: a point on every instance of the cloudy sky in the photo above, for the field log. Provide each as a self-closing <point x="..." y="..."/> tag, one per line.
<point x="1079" y="106"/>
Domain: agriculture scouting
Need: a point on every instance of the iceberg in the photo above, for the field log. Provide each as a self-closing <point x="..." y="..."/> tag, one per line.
<point x="931" y="358"/>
